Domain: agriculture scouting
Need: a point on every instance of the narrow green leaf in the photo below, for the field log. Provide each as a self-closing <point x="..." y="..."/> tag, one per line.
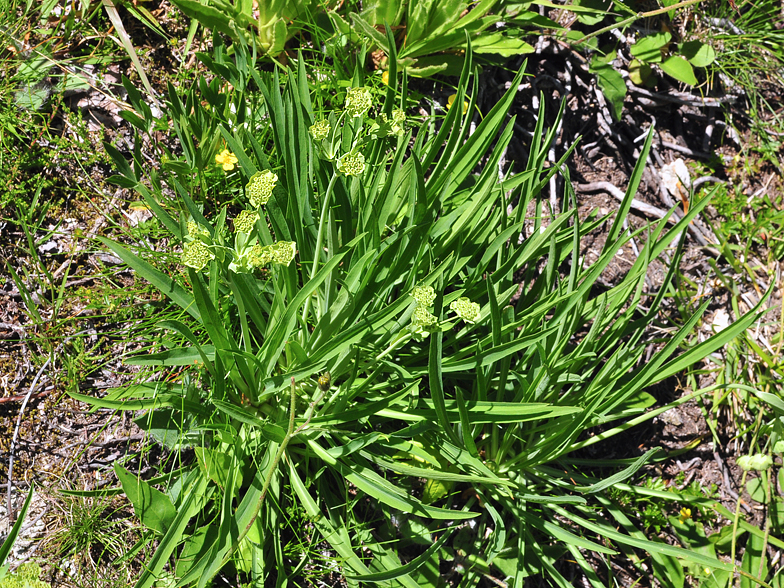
<point x="161" y="281"/>
<point x="410" y="567"/>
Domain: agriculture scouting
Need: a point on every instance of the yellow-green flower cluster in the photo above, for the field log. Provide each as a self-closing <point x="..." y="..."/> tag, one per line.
<point x="398" y="120"/>
<point x="259" y="255"/>
<point x="351" y="164"/>
<point x="260" y="187"/>
<point x="423" y="319"/>
<point x="424" y="295"/>
<point x="195" y="230"/>
<point x="196" y="255"/>
<point x="282" y="253"/>
<point x="320" y="130"/>
<point x="358" y="101"/>
<point x="245" y="221"/>
<point x="465" y="309"/>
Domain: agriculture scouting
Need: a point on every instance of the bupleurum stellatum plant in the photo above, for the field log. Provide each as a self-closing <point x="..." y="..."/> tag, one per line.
<point x="357" y="333"/>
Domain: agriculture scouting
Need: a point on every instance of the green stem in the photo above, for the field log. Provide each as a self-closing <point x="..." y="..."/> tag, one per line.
<point x="637" y="16"/>
<point x="319" y="239"/>
<point x="402" y="338"/>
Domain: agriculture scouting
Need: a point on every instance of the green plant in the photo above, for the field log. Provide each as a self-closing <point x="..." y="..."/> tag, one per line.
<point x="26" y="576"/>
<point x="433" y="34"/>
<point x="13" y="534"/>
<point x="676" y="59"/>
<point x="270" y="29"/>
<point x="357" y="331"/>
<point x="92" y="532"/>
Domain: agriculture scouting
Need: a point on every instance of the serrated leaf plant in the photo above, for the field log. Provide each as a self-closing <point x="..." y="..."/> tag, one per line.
<point x="409" y="315"/>
<point x="269" y="22"/>
<point x="433" y="35"/>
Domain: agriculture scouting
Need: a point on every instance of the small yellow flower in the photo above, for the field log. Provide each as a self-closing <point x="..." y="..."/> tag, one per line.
<point x="684" y="515"/>
<point x="451" y="100"/>
<point x="226" y="159"/>
<point x="385" y="77"/>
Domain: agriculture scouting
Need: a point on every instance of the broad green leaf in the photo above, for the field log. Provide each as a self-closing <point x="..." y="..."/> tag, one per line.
<point x="208" y="16"/>
<point x="677" y="67"/>
<point x="152" y="506"/>
<point x="649" y="48"/>
<point x="698" y="53"/>
<point x="174" y="357"/>
<point x="589" y="12"/>
<point x="195" y="485"/>
<point x="612" y="85"/>
<point x="218" y="465"/>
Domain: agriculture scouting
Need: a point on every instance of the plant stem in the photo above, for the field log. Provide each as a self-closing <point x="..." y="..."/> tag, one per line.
<point x="637" y="16"/>
<point x="319" y="239"/>
<point x="402" y="338"/>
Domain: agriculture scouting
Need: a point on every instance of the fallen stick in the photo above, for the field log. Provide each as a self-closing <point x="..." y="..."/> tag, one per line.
<point x="640" y="206"/>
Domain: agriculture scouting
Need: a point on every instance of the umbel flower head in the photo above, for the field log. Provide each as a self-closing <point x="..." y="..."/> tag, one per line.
<point x="319" y="130"/>
<point x="226" y="159"/>
<point x="465" y="309"/>
<point x="260" y="187"/>
<point x="245" y="221"/>
<point x="424" y="295"/>
<point x="283" y="252"/>
<point x="398" y="120"/>
<point x="358" y="101"/>
<point x="423" y="318"/>
<point x="259" y="255"/>
<point x="195" y="230"/>
<point x="196" y="255"/>
<point x="422" y="322"/>
<point x="351" y="164"/>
